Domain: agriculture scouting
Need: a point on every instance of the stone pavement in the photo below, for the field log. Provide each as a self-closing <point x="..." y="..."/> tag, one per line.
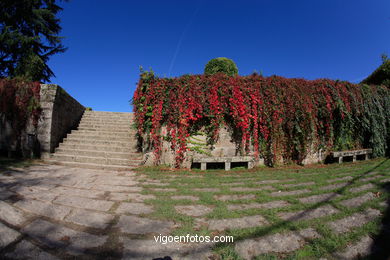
<point x="58" y="212"/>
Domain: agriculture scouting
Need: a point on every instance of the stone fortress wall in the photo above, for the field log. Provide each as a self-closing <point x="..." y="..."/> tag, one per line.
<point x="60" y="114"/>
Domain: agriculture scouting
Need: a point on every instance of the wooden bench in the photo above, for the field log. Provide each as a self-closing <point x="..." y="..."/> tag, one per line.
<point x="226" y="160"/>
<point x="340" y="155"/>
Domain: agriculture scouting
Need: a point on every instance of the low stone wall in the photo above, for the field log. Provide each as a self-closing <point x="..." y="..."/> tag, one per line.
<point x="60" y="114"/>
<point x="224" y="147"/>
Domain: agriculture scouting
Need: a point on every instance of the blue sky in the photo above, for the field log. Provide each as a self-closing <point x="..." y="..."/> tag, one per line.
<point x="108" y="40"/>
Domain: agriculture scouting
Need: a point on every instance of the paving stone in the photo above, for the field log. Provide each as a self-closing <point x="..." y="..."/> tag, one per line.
<point x="138" y="225"/>
<point x="89" y="218"/>
<point x="319" y="198"/>
<point x="85" y="203"/>
<point x="357" y="201"/>
<point x="252" y="189"/>
<point x="163" y="189"/>
<point x="255" y="205"/>
<point x="135" y="197"/>
<point x="232" y="184"/>
<point x="346" y="178"/>
<point x="275" y="243"/>
<point x="138" y="249"/>
<point x="117" y="188"/>
<point x="266" y="182"/>
<point x="134" y="208"/>
<point x="370" y="178"/>
<point x="43" y="208"/>
<point x="235" y="197"/>
<point x="7" y="235"/>
<point x="358" y="250"/>
<point x="54" y="235"/>
<point x="117" y="181"/>
<point x="93" y="194"/>
<point x="334" y="186"/>
<point x="33" y="193"/>
<point x="235" y="223"/>
<point x="308" y="233"/>
<point x="44" y="196"/>
<point x="185" y="197"/>
<point x="5" y="194"/>
<point x="322" y="211"/>
<point x="27" y="250"/>
<point x="155" y="183"/>
<point x="11" y="214"/>
<point x="289" y="193"/>
<point x="298" y="184"/>
<point x="385" y="180"/>
<point x="362" y="187"/>
<point x="354" y="220"/>
<point x="206" y="189"/>
<point x="194" y="210"/>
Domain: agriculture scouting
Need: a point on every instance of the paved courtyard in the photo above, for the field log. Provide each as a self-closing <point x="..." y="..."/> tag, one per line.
<point x="58" y="212"/>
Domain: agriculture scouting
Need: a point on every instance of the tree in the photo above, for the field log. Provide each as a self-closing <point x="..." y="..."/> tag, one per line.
<point x="28" y="37"/>
<point x="381" y="76"/>
<point x="221" y="64"/>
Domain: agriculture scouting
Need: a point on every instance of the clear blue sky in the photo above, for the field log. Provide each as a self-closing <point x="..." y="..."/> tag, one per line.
<point x="109" y="40"/>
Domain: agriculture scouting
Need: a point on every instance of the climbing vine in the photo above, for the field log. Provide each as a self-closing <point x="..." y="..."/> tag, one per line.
<point x="275" y="118"/>
<point x="19" y="101"/>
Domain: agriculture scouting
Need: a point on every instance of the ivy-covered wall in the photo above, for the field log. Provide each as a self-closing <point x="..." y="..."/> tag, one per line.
<point x="272" y="118"/>
<point x="35" y="117"/>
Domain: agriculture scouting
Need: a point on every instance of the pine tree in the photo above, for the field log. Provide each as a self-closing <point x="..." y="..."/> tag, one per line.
<point x="28" y="37"/>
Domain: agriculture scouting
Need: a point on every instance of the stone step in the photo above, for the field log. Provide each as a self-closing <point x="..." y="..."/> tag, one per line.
<point x="107" y="113"/>
<point x="103" y="133"/>
<point x="108" y="116"/>
<point x="100" y="142"/>
<point x="93" y="166"/>
<point x="104" y="154"/>
<point x="128" y="119"/>
<point x="112" y="121"/>
<point x="102" y="138"/>
<point x="103" y="148"/>
<point x="108" y="130"/>
<point x="95" y="160"/>
<point x="105" y="125"/>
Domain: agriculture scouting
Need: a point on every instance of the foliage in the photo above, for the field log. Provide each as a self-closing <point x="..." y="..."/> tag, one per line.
<point x="28" y="37"/>
<point x="223" y="65"/>
<point x="88" y="109"/>
<point x="381" y="76"/>
<point x="276" y="118"/>
<point x="19" y="101"/>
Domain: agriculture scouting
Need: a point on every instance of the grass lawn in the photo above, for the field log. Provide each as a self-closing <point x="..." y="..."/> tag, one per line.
<point x="341" y="190"/>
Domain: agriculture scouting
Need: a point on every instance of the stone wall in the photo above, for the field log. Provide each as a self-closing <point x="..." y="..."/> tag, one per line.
<point x="60" y="114"/>
<point x="224" y="147"/>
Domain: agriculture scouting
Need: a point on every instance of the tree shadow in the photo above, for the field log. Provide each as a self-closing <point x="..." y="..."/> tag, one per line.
<point x="383" y="240"/>
<point x="380" y="248"/>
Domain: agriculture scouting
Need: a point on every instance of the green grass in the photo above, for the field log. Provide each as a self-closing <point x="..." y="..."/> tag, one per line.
<point x="185" y="181"/>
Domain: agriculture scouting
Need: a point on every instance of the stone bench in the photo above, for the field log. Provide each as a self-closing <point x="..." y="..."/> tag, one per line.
<point x="340" y="155"/>
<point x="226" y="160"/>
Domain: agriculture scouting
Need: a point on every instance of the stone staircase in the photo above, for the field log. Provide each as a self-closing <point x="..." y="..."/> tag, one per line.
<point x="103" y="140"/>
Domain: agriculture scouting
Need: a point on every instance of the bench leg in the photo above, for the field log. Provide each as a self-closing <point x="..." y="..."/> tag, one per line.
<point x="203" y="166"/>
<point x="340" y="159"/>
<point x="354" y="158"/>
<point x="366" y="156"/>
<point x="227" y="166"/>
<point x="250" y="165"/>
